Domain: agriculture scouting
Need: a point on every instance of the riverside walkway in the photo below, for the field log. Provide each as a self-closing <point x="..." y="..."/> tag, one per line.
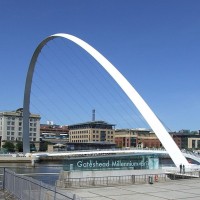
<point x="2" y="195"/>
<point x="161" y="189"/>
<point x="187" y="189"/>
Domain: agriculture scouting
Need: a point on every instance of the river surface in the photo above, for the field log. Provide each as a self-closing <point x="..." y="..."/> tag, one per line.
<point x="48" y="172"/>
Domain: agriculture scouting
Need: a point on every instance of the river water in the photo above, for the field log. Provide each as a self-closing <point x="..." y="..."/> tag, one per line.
<point x="48" y="172"/>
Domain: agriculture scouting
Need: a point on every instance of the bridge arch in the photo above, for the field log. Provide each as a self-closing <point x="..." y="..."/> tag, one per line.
<point x="164" y="137"/>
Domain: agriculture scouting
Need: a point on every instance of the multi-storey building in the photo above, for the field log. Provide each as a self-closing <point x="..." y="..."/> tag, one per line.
<point x="187" y="140"/>
<point x="54" y="131"/>
<point x="94" y="131"/>
<point x="125" y="138"/>
<point x="11" y="126"/>
<point x="145" y="138"/>
<point x="136" y="138"/>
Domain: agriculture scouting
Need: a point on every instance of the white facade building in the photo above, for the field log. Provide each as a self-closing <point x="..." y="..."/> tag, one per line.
<point x="11" y="126"/>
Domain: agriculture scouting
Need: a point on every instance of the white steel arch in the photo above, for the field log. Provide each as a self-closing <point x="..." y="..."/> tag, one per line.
<point x="164" y="137"/>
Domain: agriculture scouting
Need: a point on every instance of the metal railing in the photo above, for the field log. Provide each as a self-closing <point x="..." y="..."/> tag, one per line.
<point x="26" y="188"/>
<point x="111" y="180"/>
<point x="125" y="180"/>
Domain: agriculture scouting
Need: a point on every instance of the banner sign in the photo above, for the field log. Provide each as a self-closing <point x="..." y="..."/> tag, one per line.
<point x="110" y="162"/>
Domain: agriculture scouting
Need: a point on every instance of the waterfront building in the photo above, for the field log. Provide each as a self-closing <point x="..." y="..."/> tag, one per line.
<point x="125" y="138"/>
<point x="93" y="131"/>
<point x="136" y="138"/>
<point x="53" y="137"/>
<point x="50" y="131"/>
<point x="11" y="126"/>
<point x="147" y="139"/>
<point x="188" y="140"/>
<point x="142" y="138"/>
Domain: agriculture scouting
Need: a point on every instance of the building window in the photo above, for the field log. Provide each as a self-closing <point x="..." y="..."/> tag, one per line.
<point x="193" y="143"/>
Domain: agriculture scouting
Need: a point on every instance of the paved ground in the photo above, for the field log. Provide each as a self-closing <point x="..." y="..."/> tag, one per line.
<point x="179" y="189"/>
<point x="1" y="195"/>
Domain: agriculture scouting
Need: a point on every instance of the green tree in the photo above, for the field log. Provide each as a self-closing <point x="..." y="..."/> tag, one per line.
<point x="19" y="146"/>
<point x="43" y="146"/>
<point x="9" y="146"/>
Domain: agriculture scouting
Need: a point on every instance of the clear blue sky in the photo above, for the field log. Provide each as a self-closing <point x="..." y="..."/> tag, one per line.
<point x="155" y="44"/>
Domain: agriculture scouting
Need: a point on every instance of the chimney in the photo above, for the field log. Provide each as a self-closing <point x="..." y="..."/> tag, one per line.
<point x="93" y="115"/>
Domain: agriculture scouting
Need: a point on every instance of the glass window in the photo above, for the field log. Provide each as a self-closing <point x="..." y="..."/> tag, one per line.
<point x="193" y="143"/>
